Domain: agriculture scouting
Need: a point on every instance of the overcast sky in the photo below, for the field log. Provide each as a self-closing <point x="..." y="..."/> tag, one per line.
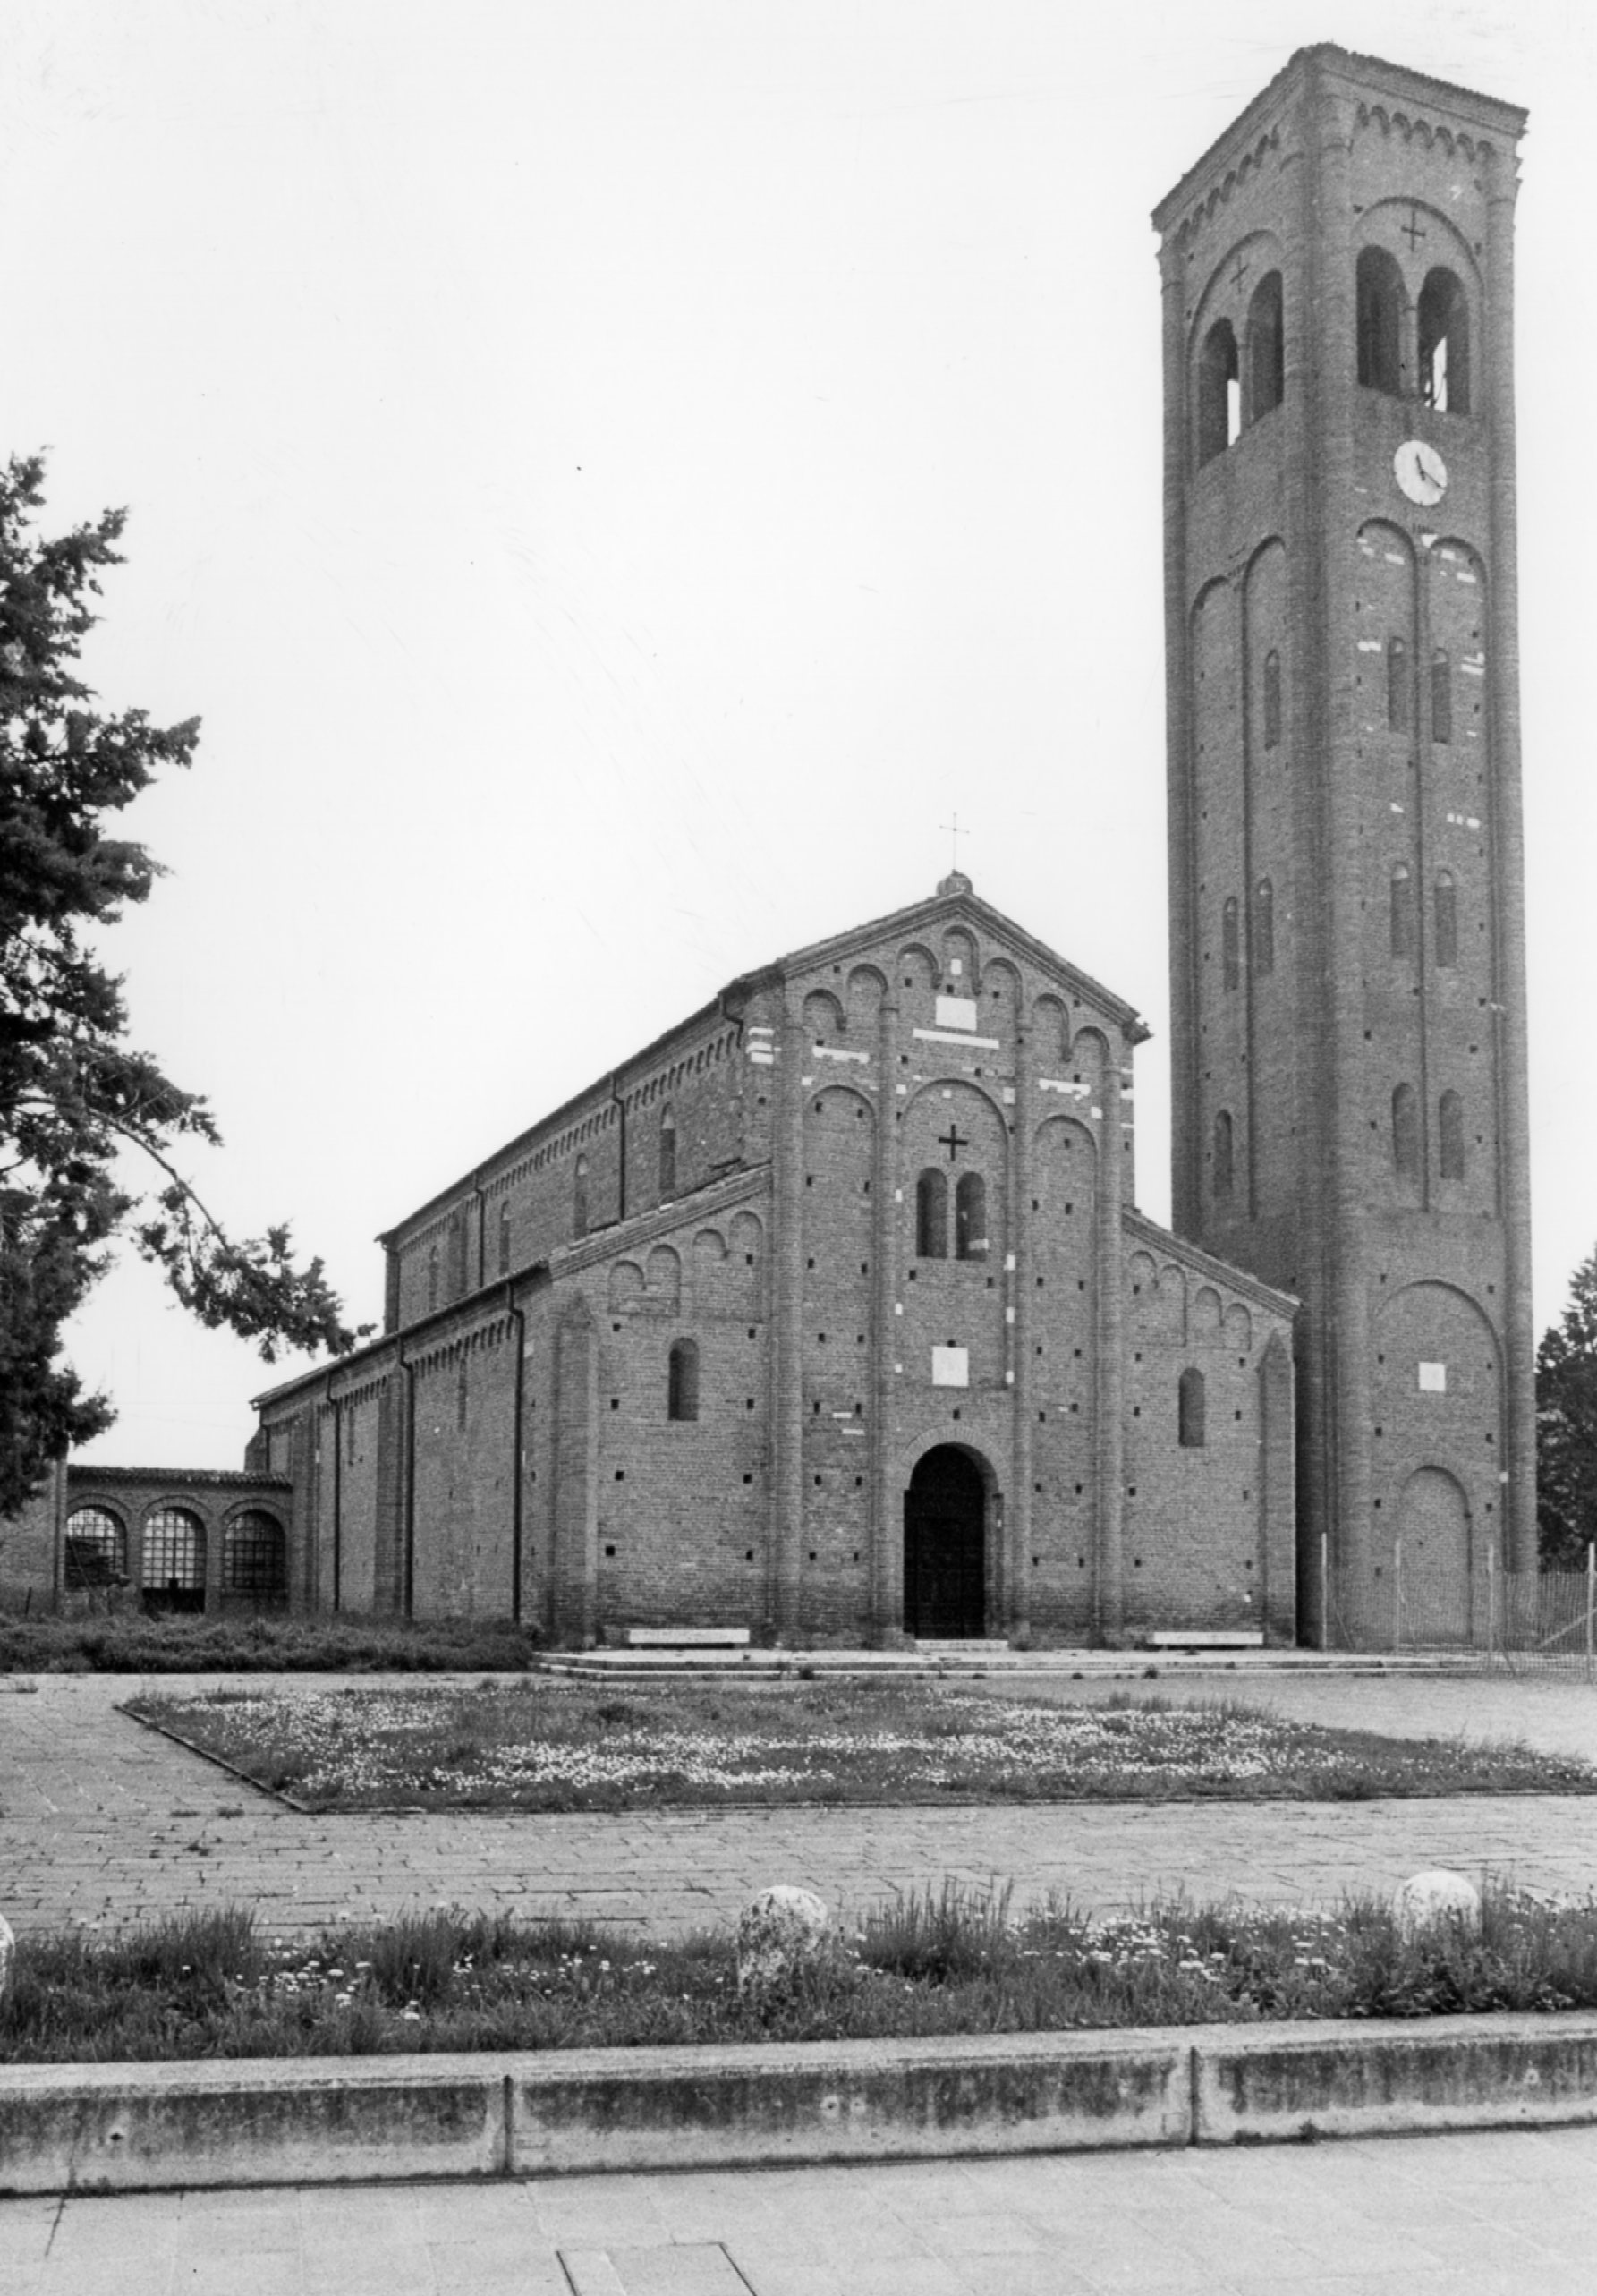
<point x="614" y="478"/>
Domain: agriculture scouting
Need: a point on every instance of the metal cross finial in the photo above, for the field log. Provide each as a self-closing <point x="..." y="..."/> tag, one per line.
<point x="1411" y="229"/>
<point x="955" y="833"/>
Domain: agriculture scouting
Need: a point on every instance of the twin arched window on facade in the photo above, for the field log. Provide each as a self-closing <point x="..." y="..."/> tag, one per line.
<point x="1405" y="1135"/>
<point x="1441" y="349"/>
<point x="1262" y="924"/>
<point x="1400" y="691"/>
<point x="1237" y="386"/>
<point x="1405" y="918"/>
<point x="931" y="1216"/>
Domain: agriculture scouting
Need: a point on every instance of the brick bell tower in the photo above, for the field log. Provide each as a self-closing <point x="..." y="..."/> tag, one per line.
<point x="1346" y="875"/>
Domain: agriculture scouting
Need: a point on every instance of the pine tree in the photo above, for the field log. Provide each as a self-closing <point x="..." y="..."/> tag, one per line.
<point x="73" y="1094"/>
<point x="1567" y="1428"/>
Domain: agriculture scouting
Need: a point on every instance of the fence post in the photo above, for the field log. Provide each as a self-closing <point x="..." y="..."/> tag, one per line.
<point x="1325" y="1590"/>
<point x="1490" y="1603"/>
<point x="1397" y="1594"/>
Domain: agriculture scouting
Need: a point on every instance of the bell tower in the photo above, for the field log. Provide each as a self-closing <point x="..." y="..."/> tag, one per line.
<point x="1347" y="878"/>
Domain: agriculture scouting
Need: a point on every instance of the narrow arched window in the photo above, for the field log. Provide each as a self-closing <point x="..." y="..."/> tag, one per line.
<point x="1220" y="391"/>
<point x="681" y="1380"/>
<point x="1442" y="696"/>
<point x="1447" y="919"/>
<point x="1189" y="1410"/>
<point x="1264" y="926"/>
<point x="1405" y="1133"/>
<point x="1379" y="321"/>
<point x="970" y="1216"/>
<point x="579" y="1209"/>
<point x="96" y="1549"/>
<point x="668" y="1151"/>
<point x="1272" y="699"/>
<point x="1444" y="343"/>
<point x="1449" y="1116"/>
<point x="254" y="1555"/>
<point x="1267" y="365"/>
<point x="505" y="1236"/>
<point x="432" y="1278"/>
<point x="931" y="1215"/>
<point x="1399" y="687"/>
<point x="1225" y="1176"/>
<point x="1403" y="932"/>
<point x="1230" y="946"/>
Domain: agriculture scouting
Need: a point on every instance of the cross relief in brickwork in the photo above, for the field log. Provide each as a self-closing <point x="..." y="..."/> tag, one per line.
<point x="951" y="1141"/>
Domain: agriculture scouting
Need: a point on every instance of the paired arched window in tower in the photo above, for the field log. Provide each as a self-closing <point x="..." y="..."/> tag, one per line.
<point x="1224" y="1181"/>
<point x="1442" y="695"/>
<point x="1264" y="926"/>
<point x="1402" y="916"/>
<point x="1446" y="918"/>
<point x="668" y="1151"/>
<point x="931" y="1214"/>
<point x="1190" y="1410"/>
<point x="1449" y="1116"/>
<point x="1444" y="343"/>
<point x="1230" y="945"/>
<point x="1272" y="699"/>
<point x="1380" y="306"/>
<point x="579" y="1207"/>
<point x="1220" y="391"/>
<point x="682" y="1380"/>
<point x="970" y="1216"/>
<point x="1399" y="687"/>
<point x="1405" y="1135"/>
<point x="1266" y="342"/>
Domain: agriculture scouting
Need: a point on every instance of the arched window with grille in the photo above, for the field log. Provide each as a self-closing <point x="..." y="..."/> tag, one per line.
<point x="1444" y="342"/>
<point x="1224" y="1180"/>
<point x="970" y="1216"/>
<point x="1267" y="362"/>
<point x="579" y="1207"/>
<point x="1403" y="927"/>
<point x="1272" y="699"/>
<point x="255" y="1556"/>
<point x="667" y="1152"/>
<point x="1442" y="695"/>
<point x="1447" y="919"/>
<point x="505" y="1236"/>
<point x="682" y="1380"/>
<point x="1399" y="687"/>
<point x="1230" y="945"/>
<point x="1405" y="1135"/>
<point x="96" y="1549"/>
<point x="1220" y="391"/>
<point x="931" y="1214"/>
<point x="1379" y="299"/>
<point x="1449" y="1117"/>
<point x="173" y="1562"/>
<point x="1190" y="1410"/>
<point x="1264" y="926"/>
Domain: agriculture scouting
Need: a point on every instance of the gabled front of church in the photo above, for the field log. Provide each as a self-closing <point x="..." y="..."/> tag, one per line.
<point x="828" y="1316"/>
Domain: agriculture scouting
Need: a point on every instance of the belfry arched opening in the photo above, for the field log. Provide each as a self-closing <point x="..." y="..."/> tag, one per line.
<point x="945" y="1547"/>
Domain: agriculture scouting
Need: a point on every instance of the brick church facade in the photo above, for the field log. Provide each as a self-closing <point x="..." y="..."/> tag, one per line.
<point x="830" y="1314"/>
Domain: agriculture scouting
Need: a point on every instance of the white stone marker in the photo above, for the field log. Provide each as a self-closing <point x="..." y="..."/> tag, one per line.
<point x="779" y="1933"/>
<point x="1430" y="1900"/>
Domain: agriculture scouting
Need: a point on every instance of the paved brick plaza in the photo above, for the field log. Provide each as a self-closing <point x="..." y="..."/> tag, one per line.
<point x="103" y="1821"/>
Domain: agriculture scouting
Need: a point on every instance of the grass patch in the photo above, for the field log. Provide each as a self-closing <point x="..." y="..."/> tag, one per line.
<point x="128" y="1643"/>
<point x="948" y="1961"/>
<point x="544" y="1744"/>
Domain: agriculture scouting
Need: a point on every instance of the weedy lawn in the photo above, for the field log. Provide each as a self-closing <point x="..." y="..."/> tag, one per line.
<point x="543" y="1744"/>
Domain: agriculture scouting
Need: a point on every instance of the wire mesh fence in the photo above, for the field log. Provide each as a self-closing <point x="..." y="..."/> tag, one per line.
<point x="1517" y="1621"/>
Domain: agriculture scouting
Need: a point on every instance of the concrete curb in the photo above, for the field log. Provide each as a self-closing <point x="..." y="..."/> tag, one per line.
<point x="129" y="2128"/>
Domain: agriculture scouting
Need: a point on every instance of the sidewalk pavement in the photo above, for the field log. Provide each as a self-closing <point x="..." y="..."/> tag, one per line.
<point x="1483" y="2215"/>
<point x="102" y="1821"/>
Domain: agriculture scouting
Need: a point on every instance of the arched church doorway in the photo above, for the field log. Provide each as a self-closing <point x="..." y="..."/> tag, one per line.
<point x="1433" y="1522"/>
<point x="945" y="1547"/>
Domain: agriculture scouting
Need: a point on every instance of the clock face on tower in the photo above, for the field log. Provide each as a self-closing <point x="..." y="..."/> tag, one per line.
<point x="1420" y="471"/>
